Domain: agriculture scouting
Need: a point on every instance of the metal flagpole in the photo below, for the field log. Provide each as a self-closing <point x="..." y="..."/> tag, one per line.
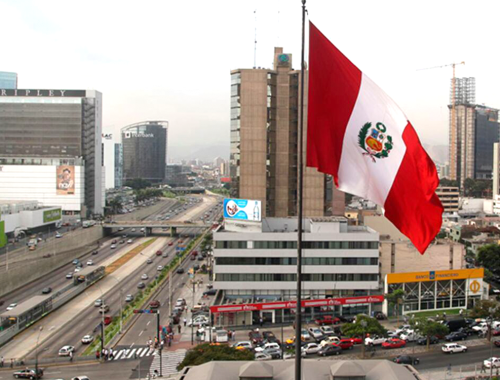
<point x="298" y="314"/>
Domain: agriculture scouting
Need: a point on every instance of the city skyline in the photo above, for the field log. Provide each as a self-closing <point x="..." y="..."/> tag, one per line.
<point x="172" y="81"/>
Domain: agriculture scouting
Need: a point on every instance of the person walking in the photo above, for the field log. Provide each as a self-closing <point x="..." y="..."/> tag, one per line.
<point x="71" y="356"/>
<point x="1" y="362"/>
<point x="11" y="363"/>
<point x="97" y="355"/>
<point x="261" y="321"/>
<point x="185" y="321"/>
<point x="483" y="368"/>
<point x="179" y="328"/>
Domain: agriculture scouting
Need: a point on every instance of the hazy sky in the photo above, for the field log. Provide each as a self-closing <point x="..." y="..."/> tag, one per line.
<point x="171" y="60"/>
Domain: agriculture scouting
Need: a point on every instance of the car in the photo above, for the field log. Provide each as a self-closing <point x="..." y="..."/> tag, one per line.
<point x="113" y="241"/>
<point x="104" y="309"/>
<point x="210" y="292"/>
<point x="270" y="337"/>
<point x="90" y="262"/>
<point x="76" y="262"/>
<point x="155" y="304"/>
<point x="454" y="336"/>
<point x="330" y="340"/>
<point x="374" y="340"/>
<point x="170" y="243"/>
<point x="328" y="350"/>
<point x="409" y="336"/>
<point x="378" y="315"/>
<point x="423" y="340"/>
<point x="28" y="374"/>
<point x="327" y="330"/>
<point x="393" y="343"/>
<point x="196" y="267"/>
<point x="356" y="340"/>
<point x="345" y="344"/>
<point x="164" y="255"/>
<point x="406" y="359"/>
<point x="316" y="333"/>
<point x="200" y="258"/>
<point x="268" y="347"/>
<point x="107" y="320"/>
<point x="87" y="339"/>
<point x="255" y="337"/>
<point x="47" y="290"/>
<point x="144" y="276"/>
<point x="262" y="356"/>
<point x="327" y="320"/>
<point x="129" y="241"/>
<point x="78" y="269"/>
<point x="180" y="301"/>
<point x="492" y="362"/>
<point x="69" y="276"/>
<point x="158" y="253"/>
<point x="121" y="229"/>
<point x="98" y="303"/>
<point x="121" y="242"/>
<point x="141" y="285"/>
<point x="159" y="268"/>
<point x="452" y="348"/>
<point x="305" y="336"/>
<point x="133" y="229"/>
<point x="11" y="306"/>
<point x="311" y="348"/>
<point x="66" y="350"/>
<point x="113" y="246"/>
<point x="129" y="298"/>
<point x="95" y="252"/>
<point x="149" y="261"/>
<point x="180" y="270"/>
<point x="244" y="345"/>
<point x="198" y="321"/>
<point x="80" y="378"/>
<point x="58" y="235"/>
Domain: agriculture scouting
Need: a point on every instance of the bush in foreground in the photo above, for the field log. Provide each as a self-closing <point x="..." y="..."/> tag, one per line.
<point x="206" y="352"/>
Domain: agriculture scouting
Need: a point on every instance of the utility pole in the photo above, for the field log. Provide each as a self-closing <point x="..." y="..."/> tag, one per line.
<point x="192" y="308"/>
<point x="36" y="352"/>
<point x="159" y="342"/>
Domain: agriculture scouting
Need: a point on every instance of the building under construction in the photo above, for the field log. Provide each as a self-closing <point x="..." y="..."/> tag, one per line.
<point x="473" y="131"/>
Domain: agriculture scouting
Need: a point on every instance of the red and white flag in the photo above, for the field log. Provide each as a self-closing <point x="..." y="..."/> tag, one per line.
<point x="361" y="137"/>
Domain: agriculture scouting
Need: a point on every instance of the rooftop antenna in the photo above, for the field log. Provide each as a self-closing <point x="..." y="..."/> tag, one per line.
<point x="255" y="42"/>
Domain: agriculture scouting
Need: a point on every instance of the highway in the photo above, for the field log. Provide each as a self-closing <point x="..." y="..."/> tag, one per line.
<point x="87" y="321"/>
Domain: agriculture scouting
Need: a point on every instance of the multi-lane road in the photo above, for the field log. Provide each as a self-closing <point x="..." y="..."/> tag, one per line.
<point x="87" y="321"/>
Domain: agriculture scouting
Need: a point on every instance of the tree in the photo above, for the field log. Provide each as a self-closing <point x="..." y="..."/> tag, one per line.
<point x="479" y="188"/>
<point x="115" y="204"/>
<point x="448" y="182"/>
<point x="484" y="309"/>
<point x="137" y="183"/>
<point x="363" y="325"/>
<point x="395" y="299"/>
<point x="488" y="256"/>
<point x="206" y="352"/>
<point x="428" y="328"/>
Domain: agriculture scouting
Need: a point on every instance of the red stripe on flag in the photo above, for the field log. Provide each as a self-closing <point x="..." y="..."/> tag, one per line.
<point x="412" y="204"/>
<point x="334" y="84"/>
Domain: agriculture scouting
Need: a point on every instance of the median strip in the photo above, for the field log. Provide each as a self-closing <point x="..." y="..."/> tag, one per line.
<point x="129" y="255"/>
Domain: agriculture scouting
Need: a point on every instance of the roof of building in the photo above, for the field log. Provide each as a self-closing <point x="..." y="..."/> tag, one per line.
<point x="25" y="306"/>
<point x="312" y="369"/>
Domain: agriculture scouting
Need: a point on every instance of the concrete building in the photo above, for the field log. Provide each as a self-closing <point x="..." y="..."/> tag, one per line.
<point x="108" y="160"/>
<point x="8" y="80"/>
<point x="473" y="131"/>
<point x="312" y="369"/>
<point x="118" y="166"/>
<point x="145" y="151"/>
<point x="265" y="112"/>
<point x="257" y="261"/>
<point x="496" y="170"/>
<point x="449" y="197"/>
<point x="52" y="138"/>
<point x="177" y="175"/>
<point x="27" y="215"/>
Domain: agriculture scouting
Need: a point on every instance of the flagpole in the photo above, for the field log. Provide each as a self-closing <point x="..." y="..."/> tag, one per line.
<point x="298" y="313"/>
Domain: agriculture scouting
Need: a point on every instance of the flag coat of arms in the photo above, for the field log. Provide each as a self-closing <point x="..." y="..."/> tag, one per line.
<point x="361" y="137"/>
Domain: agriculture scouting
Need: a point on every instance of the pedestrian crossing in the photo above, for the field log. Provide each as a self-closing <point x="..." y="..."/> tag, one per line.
<point x="133" y="353"/>
<point x="170" y="361"/>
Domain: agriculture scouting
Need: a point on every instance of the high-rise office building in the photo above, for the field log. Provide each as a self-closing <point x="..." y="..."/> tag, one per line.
<point x="50" y="150"/>
<point x="145" y="151"/>
<point x="118" y="166"/>
<point x="265" y="110"/>
<point x="473" y="131"/>
<point x="8" y="80"/>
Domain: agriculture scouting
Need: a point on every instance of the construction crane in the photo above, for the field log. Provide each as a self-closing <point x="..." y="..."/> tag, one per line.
<point x="453" y="173"/>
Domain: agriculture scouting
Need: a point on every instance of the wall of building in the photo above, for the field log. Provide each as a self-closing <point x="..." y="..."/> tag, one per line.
<point x="39" y="183"/>
<point x="26" y="219"/>
<point x="23" y="272"/>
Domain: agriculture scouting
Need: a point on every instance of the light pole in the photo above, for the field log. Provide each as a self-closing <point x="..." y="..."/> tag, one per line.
<point x="36" y="352"/>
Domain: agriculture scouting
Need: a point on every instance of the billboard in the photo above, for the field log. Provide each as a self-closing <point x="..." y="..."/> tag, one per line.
<point x="456" y="274"/>
<point x="52" y="215"/>
<point x="65" y="181"/>
<point x="3" y="237"/>
<point x="242" y="209"/>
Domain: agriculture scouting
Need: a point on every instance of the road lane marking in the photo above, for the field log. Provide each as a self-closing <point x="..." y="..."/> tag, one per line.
<point x="147" y="324"/>
<point x="141" y="332"/>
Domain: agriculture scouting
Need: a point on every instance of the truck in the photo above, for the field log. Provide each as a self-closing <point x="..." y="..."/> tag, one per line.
<point x="33" y="242"/>
<point x="88" y="223"/>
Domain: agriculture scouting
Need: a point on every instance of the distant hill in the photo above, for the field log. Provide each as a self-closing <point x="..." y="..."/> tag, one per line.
<point x="192" y="152"/>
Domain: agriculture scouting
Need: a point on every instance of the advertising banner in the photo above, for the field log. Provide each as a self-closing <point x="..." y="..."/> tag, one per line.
<point x="52" y="215"/>
<point x="293" y="304"/>
<point x="3" y="237"/>
<point x="438" y="275"/>
<point x="65" y="181"/>
<point x="242" y="209"/>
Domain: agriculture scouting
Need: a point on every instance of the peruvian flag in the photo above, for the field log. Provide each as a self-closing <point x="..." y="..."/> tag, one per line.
<point x="359" y="135"/>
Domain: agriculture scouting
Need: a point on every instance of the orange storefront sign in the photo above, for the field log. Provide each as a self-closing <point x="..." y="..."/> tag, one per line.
<point x="438" y="275"/>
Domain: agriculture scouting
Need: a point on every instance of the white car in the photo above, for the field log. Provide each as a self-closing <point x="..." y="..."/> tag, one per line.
<point x="87" y="339"/>
<point x="374" y="340"/>
<point x="409" y="336"/>
<point x="98" y="303"/>
<point x="133" y="229"/>
<point x="247" y="345"/>
<point x="198" y="321"/>
<point x="311" y="348"/>
<point x="304" y="335"/>
<point x="159" y="268"/>
<point x="144" y="276"/>
<point x="80" y="378"/>
<point x="11" y="306"/>
<point x="129" y="241"/>
<point x="492" y="362"/>
<point x="78" y="269"/>
<point x="268" y="347"/>
<point x="327" y="330"/>
<point x="113" y="246"/>
<point x="315" y="332"/>
<point x="120" y="229"/>
<point x="451" y="348"/>
<point x="66" y="350"/>
<point x="402" y="329"/>
<point x="329" y="340"/>
<point x="58" y="235"/>
<point x="90" y="262"/>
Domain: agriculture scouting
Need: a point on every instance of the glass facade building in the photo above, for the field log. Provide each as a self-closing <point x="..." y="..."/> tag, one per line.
<point x="8" y="80"/>
<point x="145" y="151"/>
<point x="118" y="166"/>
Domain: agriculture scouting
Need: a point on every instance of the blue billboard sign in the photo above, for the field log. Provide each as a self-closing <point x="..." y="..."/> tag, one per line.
<point x="242" y="209"/>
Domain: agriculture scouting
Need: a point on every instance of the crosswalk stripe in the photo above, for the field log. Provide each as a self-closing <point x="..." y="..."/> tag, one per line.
<point x="131" y="353"/>
<point x="135" y="353"/>
<point x="117" y="356"/>
<point x="125" y="353"/>
<point x="170" y="361"/>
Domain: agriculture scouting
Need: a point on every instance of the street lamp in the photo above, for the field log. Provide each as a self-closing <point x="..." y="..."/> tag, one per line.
<point x="36" y="352"/>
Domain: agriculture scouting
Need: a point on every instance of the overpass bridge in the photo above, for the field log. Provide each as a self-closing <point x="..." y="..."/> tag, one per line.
<point x="149" y="225"/>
